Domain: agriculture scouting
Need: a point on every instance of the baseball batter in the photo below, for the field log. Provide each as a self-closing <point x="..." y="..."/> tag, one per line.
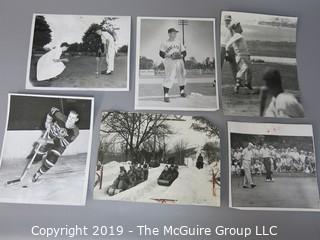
<point x="228" y="54"/>
<point x="173" y="52"/>
<point x="240" y="47"/>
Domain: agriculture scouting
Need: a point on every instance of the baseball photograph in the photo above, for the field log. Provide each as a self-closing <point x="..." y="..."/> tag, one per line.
<point x="81" y="52"/>
<point x="53" y="135"/>
<point x="259" y="67"/>
<point x="158" y="158"/>
<point x="176" y="64"/>
<point x="272" y="167"/>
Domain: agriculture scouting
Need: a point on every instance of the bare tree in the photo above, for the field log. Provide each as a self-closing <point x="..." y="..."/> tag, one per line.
<point x="202" y="124"/>
<point x="134" y="129"/>
<point x="211" y="151"/>
<point x="180" y="150"/>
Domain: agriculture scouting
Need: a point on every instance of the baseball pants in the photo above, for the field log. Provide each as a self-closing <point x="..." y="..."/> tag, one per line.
<point x="244" y="73"/>
<point x="174" y="72"/>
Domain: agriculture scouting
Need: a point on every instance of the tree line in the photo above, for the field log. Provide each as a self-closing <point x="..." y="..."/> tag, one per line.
<point x="43" y="35"/>
<point x="142" y="137"/>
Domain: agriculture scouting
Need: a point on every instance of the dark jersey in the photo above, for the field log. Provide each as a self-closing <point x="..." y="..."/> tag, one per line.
<point x="58" y="131"/>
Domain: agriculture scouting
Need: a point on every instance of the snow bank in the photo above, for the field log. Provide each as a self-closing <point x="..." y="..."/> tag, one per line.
<point x="192" y="187"/>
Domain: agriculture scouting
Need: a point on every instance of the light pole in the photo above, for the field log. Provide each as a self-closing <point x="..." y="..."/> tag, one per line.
<point x="182" y="23"/>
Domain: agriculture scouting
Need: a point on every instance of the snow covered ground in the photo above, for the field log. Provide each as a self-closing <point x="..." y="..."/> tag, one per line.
<point x="193" y="186"/>
<point x="65" y="183"/>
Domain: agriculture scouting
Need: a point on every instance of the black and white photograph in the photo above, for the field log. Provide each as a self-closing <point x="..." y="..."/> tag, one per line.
<point x="272" y="167"/>
<point x="259" y="66"/>
<point x="176" y="64"/>
<point x="158" y="158"/>
<point x="82" y="52"/>
<point x="46" y="149"/>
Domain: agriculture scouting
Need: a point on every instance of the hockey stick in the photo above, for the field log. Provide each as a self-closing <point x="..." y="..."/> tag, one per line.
<point x="27" y="167"/>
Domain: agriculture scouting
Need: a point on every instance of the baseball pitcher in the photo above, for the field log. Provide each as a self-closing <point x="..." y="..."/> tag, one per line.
<point x="173" y="52"/>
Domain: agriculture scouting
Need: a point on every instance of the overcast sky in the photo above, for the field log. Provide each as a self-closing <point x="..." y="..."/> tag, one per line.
<point x="70" y="28"/>
<point x="199" y="38"/>
<point x="182" y="131"/>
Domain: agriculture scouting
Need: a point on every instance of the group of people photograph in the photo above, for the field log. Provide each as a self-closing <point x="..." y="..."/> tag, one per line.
<point x="272" y="166"/>
<point x="268" y="159"/>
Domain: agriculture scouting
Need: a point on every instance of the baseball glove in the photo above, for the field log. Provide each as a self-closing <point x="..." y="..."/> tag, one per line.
<point x="176" y="55"/>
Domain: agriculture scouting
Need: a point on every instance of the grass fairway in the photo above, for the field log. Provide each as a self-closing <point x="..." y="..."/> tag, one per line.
<point x="285" y="192"/>
<point x="80" y="73"/>
<point x="248" y="105"/>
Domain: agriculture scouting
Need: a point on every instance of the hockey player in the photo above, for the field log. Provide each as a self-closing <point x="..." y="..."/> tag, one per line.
<point x="62" y="131"/>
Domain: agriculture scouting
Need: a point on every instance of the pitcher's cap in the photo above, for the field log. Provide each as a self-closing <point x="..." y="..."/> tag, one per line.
<point x="170" y="30"/>
<point x="227" y="17"/>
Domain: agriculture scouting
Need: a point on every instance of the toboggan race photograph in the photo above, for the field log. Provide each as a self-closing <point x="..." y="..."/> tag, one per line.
<point x="158" y="158"/>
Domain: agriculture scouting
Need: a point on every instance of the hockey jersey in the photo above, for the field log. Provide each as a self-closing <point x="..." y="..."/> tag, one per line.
<point x="59" y="131"/>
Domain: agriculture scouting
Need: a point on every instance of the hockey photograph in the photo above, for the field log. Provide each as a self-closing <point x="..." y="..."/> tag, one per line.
<point x="45" y="154"/>
<point x="272" y="167"/>
<point x="176" y="64"/>
<point x="259" y="67"/>
<point x="158" y="158"/>
<point x="82" y="52"/>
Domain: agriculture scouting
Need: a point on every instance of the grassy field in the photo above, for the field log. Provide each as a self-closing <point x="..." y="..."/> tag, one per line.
<point x="285" y="192"/>
<point x="272" y="49"/>
<point x="80" y="73"/>
<point x="248" y="105"/>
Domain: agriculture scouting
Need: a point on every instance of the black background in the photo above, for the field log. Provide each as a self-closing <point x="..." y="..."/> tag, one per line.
<point x="29" y="113"/>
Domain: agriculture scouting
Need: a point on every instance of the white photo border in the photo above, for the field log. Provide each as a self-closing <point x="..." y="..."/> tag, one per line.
<point x="29" y="86"/>
<point x="231" y="125"/>
<point x="137" y="77"/>
<point x="83" y="200"/>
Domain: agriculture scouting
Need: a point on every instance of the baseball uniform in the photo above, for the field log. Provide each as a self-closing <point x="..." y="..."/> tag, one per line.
<point x="284" y="105"/>
<point x="241" y="50"/>
<point x="174" y="68"/>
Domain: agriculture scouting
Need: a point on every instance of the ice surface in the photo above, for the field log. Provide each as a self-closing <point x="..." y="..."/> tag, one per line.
<point x="62" y="184"/>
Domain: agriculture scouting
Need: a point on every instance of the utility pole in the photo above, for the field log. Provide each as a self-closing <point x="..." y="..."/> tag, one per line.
<point x="182" y="23"/>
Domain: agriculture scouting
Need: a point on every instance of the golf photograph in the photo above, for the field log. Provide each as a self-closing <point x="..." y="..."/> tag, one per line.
<point x="79" y="52"/>
<point x="46" y="149"/>
<point x="272" y="167"/>
<point x="259" y="66"/>
<point x="158" y="158"/>
<point x="176" y="64"/>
